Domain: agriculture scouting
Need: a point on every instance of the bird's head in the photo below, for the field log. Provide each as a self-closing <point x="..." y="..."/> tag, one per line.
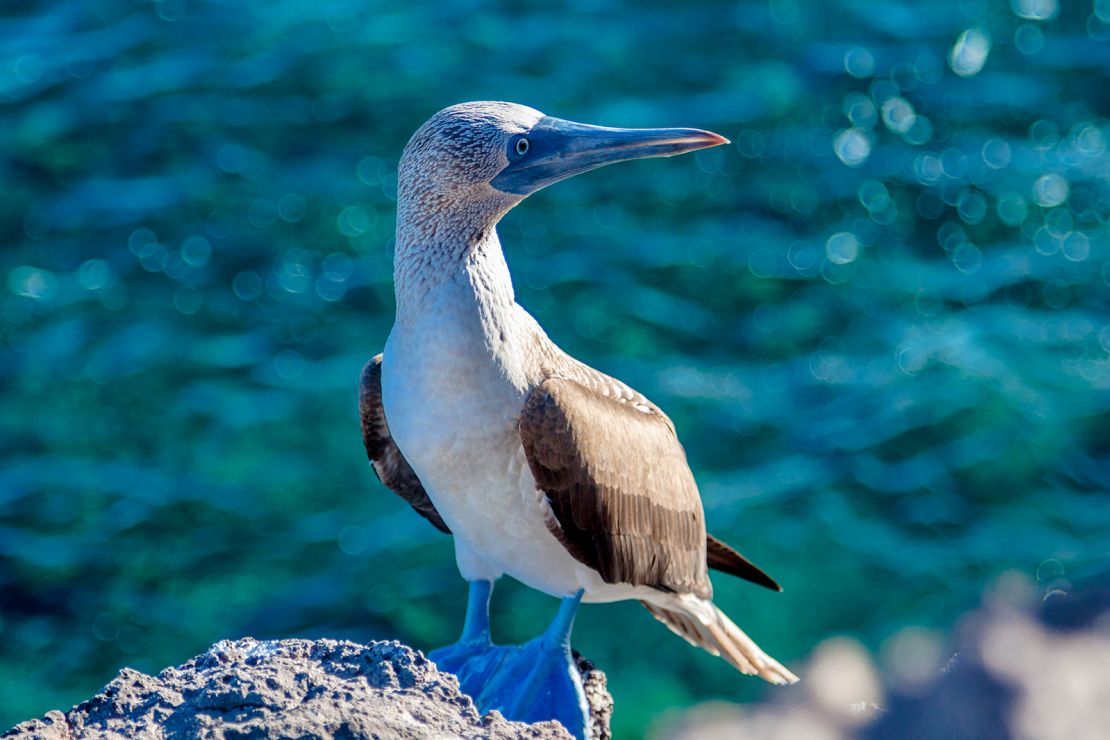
<point x="478" y="160"/>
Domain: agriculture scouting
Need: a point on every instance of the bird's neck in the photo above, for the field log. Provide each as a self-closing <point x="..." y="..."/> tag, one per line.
<point x="434" y="252"/>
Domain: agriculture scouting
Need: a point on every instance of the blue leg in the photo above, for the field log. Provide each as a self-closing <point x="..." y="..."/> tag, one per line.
<point x="475" y="629"/>
<point x="538" y="680"/>
<point x="474" y="657"/>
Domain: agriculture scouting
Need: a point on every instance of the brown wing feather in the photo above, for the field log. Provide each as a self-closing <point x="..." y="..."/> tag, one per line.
<point x="723" y="558"/>
<point x="622" y="495"/>
<point x="388" y="463"/>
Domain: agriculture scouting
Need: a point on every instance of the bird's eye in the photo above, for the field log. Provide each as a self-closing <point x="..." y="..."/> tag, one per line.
<point x="521" y="146"/>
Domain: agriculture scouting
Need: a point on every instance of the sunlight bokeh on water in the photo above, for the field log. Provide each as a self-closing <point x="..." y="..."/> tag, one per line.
<point x="879" y="318"/>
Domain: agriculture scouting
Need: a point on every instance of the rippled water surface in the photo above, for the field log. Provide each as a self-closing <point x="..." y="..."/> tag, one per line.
<point x="879" y="318"/>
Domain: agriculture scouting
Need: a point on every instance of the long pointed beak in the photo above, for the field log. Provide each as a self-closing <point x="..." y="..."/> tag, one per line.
<point x="558" y="149"/>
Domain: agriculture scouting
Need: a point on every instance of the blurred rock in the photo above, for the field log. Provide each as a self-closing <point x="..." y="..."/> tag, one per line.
<point x="1028" y="664"/>
<point x="297" y="688"/>
<point x="1023" y="669"/>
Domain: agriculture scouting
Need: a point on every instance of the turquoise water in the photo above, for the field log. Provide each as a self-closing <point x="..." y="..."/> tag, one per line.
<point x="879" y="318"/>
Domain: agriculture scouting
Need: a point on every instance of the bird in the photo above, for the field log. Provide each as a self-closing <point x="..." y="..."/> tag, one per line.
<point x="542" y="468"/>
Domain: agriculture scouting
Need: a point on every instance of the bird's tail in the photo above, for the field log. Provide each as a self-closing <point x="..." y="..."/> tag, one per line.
<point x="706" y="626"/>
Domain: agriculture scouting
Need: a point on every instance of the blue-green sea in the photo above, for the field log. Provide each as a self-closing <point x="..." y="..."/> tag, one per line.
<point x="880" y="318"/>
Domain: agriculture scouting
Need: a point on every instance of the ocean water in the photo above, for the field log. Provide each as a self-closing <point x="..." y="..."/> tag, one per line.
<point x="879" y="318"/>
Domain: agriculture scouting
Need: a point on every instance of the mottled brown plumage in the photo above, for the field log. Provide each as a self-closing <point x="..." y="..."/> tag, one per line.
<point x="616" y="478"/>
<point x="387" y="461"/>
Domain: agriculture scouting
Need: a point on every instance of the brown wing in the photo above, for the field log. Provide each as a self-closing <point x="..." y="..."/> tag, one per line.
<point x="389" y="464"/>
<point x="623" y="498"/>
<point x="723" y="558"/>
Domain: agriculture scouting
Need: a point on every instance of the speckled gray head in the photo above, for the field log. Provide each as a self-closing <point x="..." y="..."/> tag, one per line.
<point x="488" y="156"/>
<point x="465" y="145"/>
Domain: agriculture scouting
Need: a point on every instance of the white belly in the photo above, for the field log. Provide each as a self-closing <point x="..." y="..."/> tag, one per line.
<point x="452" y="409"/>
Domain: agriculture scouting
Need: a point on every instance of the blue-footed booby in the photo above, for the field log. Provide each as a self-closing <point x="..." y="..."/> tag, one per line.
<point x="541" y="467"/>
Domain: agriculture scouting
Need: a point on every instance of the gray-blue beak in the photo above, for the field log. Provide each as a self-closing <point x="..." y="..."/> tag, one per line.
<point x="555" y="149"/>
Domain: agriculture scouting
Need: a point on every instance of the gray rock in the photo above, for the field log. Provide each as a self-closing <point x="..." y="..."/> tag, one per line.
<point x="297" y="689"/>
<point x="597" y="696"/>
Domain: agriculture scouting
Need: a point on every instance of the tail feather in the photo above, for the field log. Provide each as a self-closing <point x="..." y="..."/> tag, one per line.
<point x="707" y="627"/>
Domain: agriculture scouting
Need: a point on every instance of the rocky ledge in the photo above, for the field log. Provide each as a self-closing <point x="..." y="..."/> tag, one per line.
<point x="298" y="688"/>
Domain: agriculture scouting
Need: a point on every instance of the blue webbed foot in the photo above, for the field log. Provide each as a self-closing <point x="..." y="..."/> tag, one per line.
<point x="473" y="662"/>
<point x="536" y="682"/>
<point x="533" y="682"/>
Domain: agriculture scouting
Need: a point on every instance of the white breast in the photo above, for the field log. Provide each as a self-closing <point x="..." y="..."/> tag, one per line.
<point x="453" y="384"/>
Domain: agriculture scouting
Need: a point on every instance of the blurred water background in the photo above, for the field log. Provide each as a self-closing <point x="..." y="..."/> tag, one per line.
<point x="879" y="318"/>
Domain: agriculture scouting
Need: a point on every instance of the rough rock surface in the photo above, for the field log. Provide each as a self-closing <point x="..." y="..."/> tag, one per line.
<point x="297" y="688"/>
<point x="598" y="697"/>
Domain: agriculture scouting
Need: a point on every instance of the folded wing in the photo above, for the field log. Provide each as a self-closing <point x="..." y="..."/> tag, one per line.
<point x="621" y="493"/>
<point x="386" y="459"/>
